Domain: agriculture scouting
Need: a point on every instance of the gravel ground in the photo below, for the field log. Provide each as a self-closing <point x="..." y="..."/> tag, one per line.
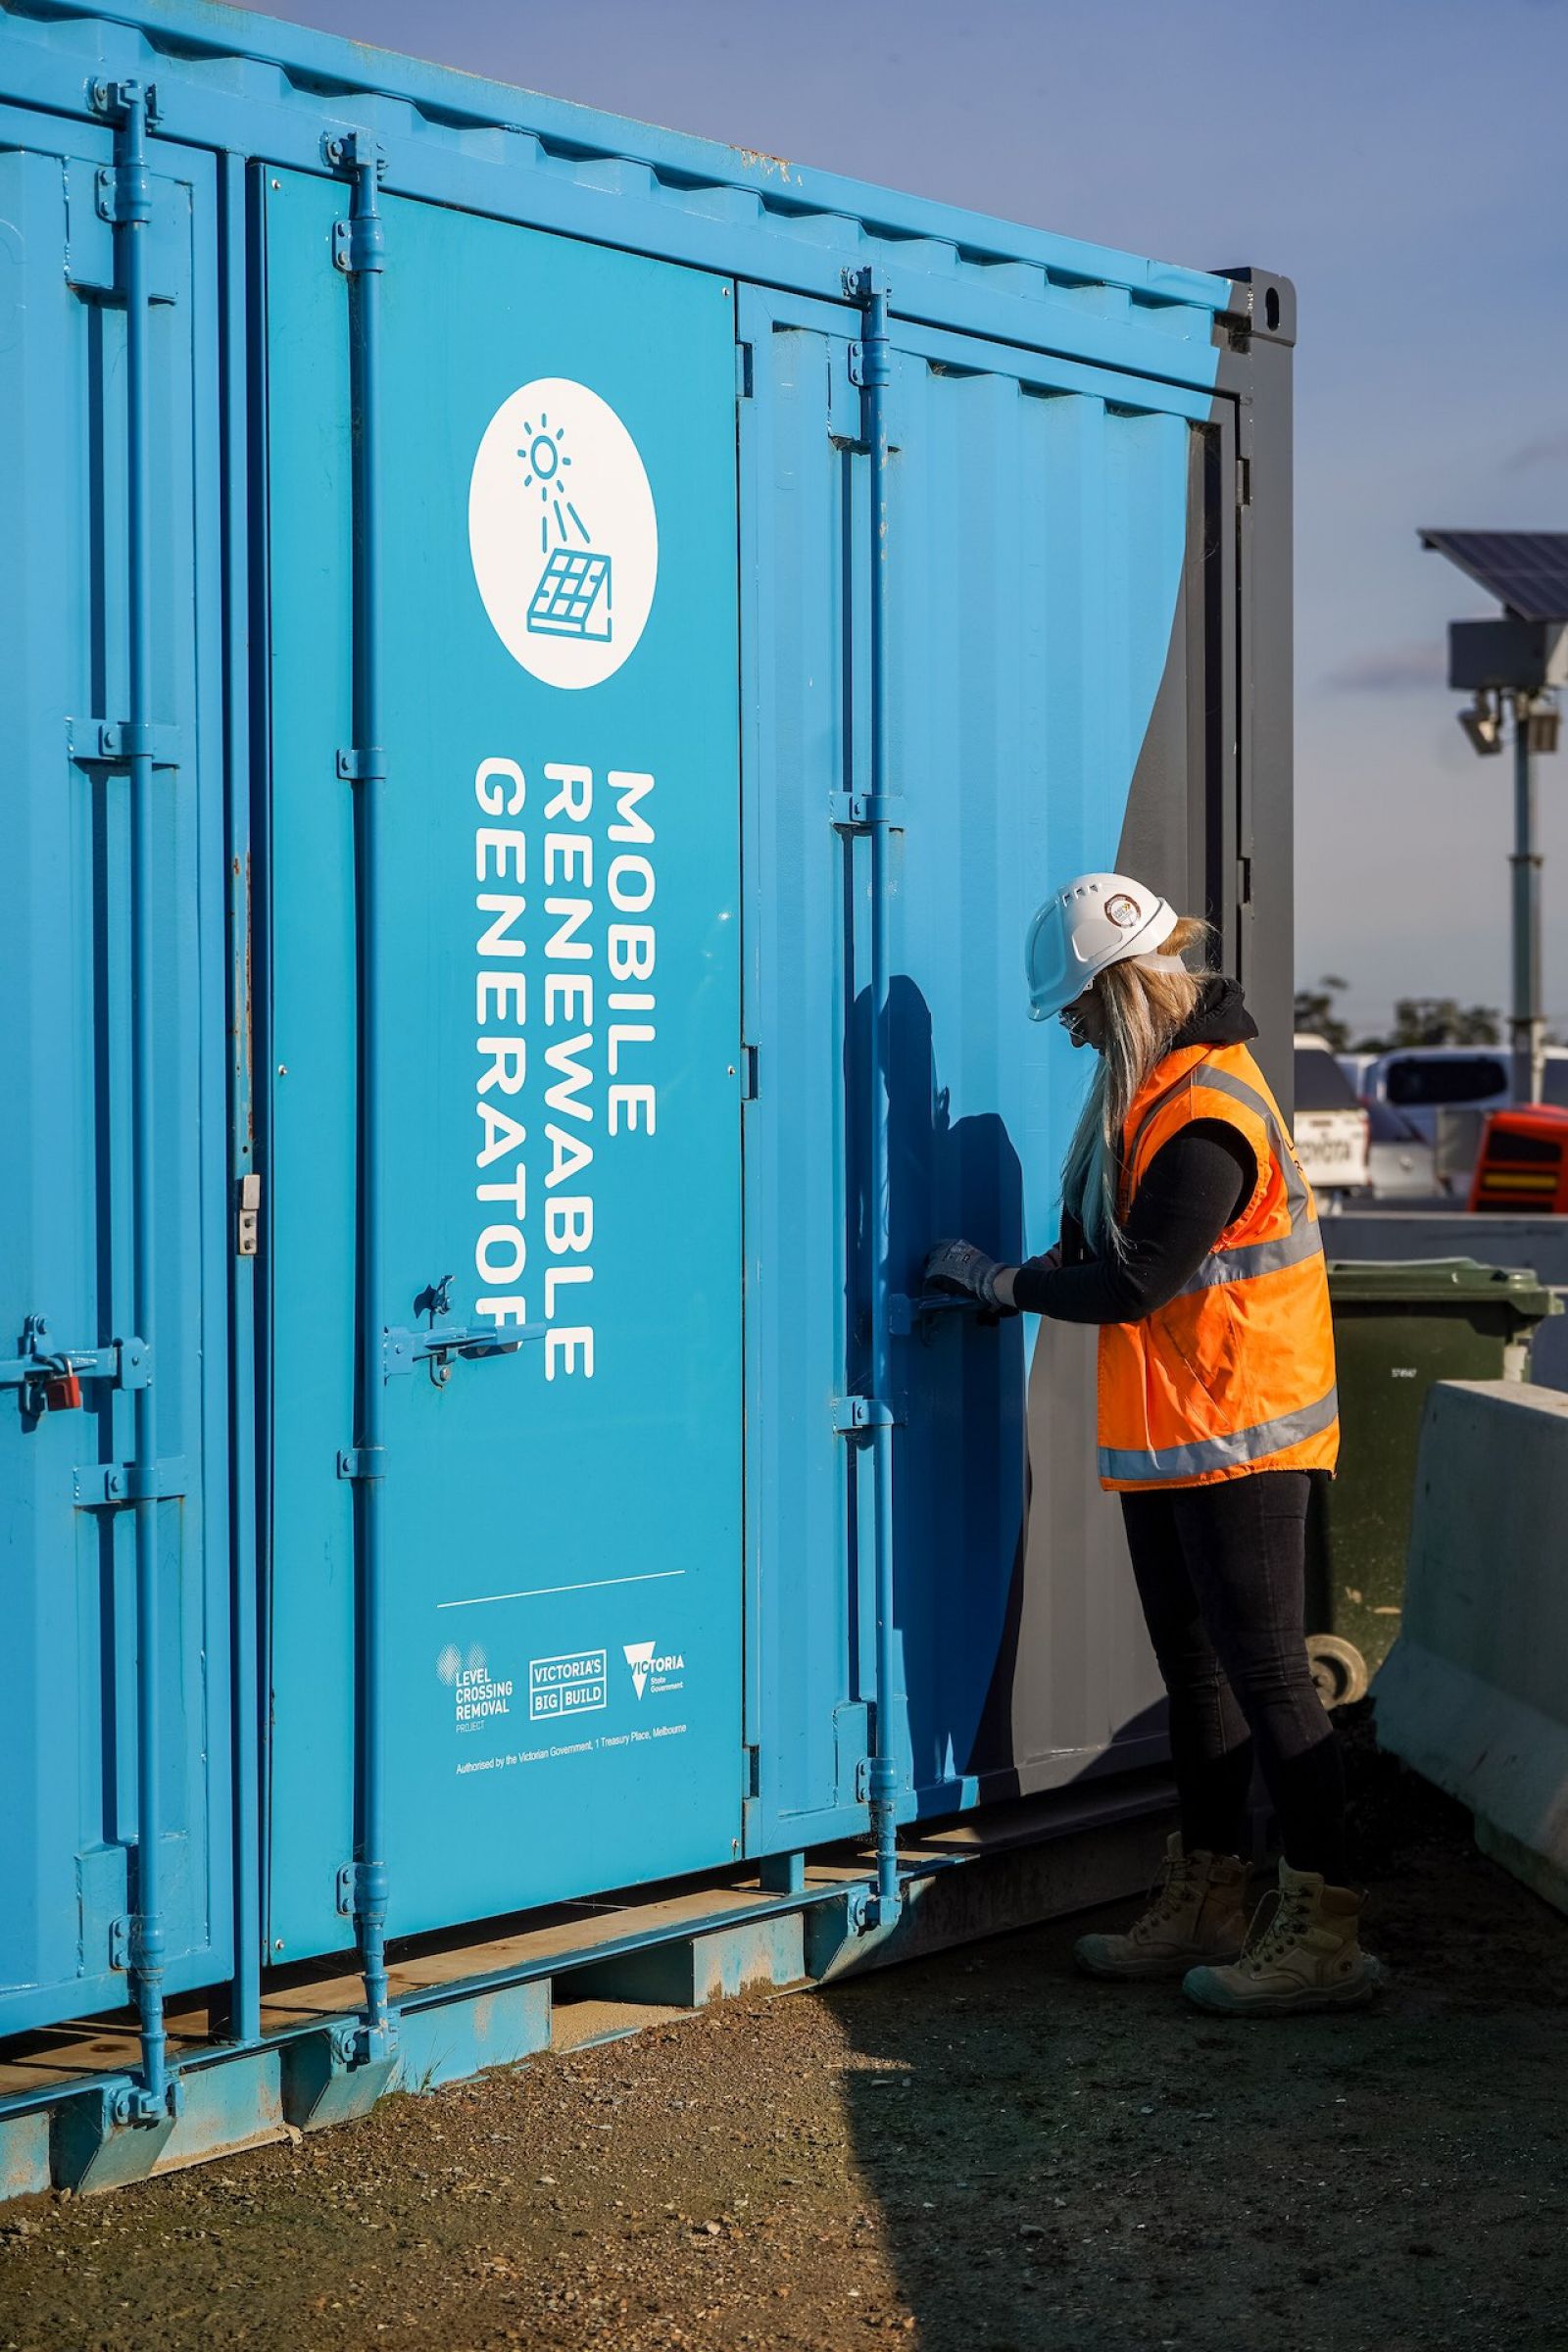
<point x="975" y="2153"/>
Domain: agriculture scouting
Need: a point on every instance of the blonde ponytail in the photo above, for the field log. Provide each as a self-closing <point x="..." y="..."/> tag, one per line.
<point x="1144" y="1009"/>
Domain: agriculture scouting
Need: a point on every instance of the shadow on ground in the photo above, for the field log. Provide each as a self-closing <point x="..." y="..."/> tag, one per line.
<point x="970" y="2154"/>
<point x="1065" y="2164"/>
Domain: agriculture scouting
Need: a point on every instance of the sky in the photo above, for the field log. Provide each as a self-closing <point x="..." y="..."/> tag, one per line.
<point x="1400" y="160"/>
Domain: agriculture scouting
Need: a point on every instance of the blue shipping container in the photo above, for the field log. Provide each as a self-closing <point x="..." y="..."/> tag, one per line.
<point x="545" y="666"/>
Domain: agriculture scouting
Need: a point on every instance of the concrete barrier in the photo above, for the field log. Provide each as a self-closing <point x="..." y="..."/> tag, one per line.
<point x="1540" y="1242"/>
<point x="1474" y="1693"/>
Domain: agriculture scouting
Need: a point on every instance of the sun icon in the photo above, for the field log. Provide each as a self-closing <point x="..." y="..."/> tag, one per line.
<point x="547" y="462"/>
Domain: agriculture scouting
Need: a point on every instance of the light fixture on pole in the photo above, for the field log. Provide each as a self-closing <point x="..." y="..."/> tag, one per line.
<point x="1483" y="721"/>
<point x="1515" y="662"/>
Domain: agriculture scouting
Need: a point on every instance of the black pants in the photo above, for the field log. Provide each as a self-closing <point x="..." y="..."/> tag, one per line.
<point x="1222" y="1575"/>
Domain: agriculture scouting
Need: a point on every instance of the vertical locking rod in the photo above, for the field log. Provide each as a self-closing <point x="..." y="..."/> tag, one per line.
<point x="875" y="373"/>
<point x="127" y="105"/>
<point x="245" y="1993"/>
<point x="359" y="254"/>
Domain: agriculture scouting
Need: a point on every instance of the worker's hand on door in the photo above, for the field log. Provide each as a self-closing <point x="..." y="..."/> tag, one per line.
<point x="960" y="1266"/>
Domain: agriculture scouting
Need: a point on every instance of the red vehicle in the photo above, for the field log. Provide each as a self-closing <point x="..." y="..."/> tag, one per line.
<point x="1522" y="1165"/>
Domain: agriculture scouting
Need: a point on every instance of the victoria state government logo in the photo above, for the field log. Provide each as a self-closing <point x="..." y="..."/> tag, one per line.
<point x="652" y="1669"/>
<point x="562" y="533"/>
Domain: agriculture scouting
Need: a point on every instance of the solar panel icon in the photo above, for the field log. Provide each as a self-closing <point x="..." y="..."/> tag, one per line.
<point x="572" y="597"/>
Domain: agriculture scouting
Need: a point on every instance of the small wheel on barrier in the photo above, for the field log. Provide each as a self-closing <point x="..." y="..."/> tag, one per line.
<point x="1339" y="1670"/>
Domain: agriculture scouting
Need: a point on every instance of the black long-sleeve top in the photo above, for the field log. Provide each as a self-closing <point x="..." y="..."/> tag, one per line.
<point x="1190" y="1190"/>
<point x="1193" y="1188"/>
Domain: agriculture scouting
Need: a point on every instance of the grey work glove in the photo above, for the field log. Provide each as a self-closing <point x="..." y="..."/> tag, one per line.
<point x="960" y="1266"/>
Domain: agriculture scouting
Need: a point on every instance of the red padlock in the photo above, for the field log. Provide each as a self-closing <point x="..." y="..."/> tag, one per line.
<point x="62" y="1394"/>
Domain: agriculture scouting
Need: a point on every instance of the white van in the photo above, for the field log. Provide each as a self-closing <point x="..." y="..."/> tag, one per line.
<point x="1445" y="1092"/>
<point x="1332" y="1131"/>
<point x="1422" y="1080"/>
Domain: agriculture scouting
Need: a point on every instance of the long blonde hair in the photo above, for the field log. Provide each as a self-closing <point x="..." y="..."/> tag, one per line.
<point x="1143" y="1012"/>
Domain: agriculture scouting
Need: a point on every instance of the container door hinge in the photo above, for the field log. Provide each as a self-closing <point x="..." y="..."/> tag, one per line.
<point x="853" y="1415"/>
<point x="115" y="742"/>
<point x="859" y="811"/>
<point x="748" y="1073"/>
<point x="744" y="371"/>
<point x="1244" y="881"/>
<point x="1244" y="481"/>
<point x="247" y="1221"/>
<point x="120" y="1943"/>
<point x="751" y="1772"/>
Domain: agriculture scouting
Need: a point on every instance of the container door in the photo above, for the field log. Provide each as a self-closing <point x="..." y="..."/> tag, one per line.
<point x="1054" y="654"/>
<point x="559" y="983"/>
<point x="68" y="1580"/>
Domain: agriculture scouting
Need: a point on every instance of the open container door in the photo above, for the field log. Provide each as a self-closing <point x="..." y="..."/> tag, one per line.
<point x="555" y="992"/>
<point x="1060" y="666"/>
<point x="89" y="1315"/>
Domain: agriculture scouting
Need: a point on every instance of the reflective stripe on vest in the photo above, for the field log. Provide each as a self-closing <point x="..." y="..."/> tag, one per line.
<point x="1304" y="1238"/>
<point x="1223" y="1454"/>
<point x="1302" y="1241"/>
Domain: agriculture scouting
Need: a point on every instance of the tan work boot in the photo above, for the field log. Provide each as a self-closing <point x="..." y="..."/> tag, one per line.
<point x="1301" y="1953"/>
<point x="1197" y="1913"/>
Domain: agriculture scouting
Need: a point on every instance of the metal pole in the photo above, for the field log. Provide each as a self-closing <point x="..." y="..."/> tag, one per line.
<point x="876" y="372"/>
<point x="1527" y="1024"/>
<point x="127" y="102"/>
<point x="359" y="254"/>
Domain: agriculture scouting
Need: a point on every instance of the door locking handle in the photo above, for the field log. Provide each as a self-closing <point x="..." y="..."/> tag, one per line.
<point x="444" y="1343"/>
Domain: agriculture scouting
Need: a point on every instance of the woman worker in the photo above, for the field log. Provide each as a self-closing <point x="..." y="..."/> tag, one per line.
<point x="1190" y="1237"/>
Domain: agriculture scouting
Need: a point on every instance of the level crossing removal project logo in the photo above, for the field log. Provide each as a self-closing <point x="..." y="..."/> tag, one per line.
<point x="563" y="532"/>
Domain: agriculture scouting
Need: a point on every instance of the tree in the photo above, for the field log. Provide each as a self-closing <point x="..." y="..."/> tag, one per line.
<point x="1315" y="1012"/>
<point x="1436" y="1022"/>
<point x="1417" y="1020"/>
<point x="1444" y="1021"/>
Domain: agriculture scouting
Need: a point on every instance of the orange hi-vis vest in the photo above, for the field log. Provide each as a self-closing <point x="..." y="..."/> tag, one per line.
<point x="1235" y="1373"/>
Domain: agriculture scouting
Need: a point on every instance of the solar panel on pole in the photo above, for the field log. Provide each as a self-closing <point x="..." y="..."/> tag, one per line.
<point x="1526" y="571"/>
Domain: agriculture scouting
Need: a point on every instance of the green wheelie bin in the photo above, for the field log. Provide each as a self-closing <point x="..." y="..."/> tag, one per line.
<point x="1397" y="1327"/>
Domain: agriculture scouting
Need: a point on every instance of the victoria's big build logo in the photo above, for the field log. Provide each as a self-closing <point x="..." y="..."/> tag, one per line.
<point x="572" y="1683"/>
<point x="563" y="532"/>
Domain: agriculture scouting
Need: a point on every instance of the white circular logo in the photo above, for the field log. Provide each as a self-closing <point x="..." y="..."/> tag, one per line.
<point x="1123" y="911"/>
<point x="563" y="532"/>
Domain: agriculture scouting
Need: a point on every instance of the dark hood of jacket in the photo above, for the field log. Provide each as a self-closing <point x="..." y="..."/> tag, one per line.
<point x="1219" y="1019"/>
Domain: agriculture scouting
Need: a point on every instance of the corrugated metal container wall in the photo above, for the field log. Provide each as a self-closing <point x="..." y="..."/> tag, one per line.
<point x="609" y="716"/>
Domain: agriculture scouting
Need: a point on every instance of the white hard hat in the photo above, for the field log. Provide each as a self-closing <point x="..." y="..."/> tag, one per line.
<point x="1099" y="921"/>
